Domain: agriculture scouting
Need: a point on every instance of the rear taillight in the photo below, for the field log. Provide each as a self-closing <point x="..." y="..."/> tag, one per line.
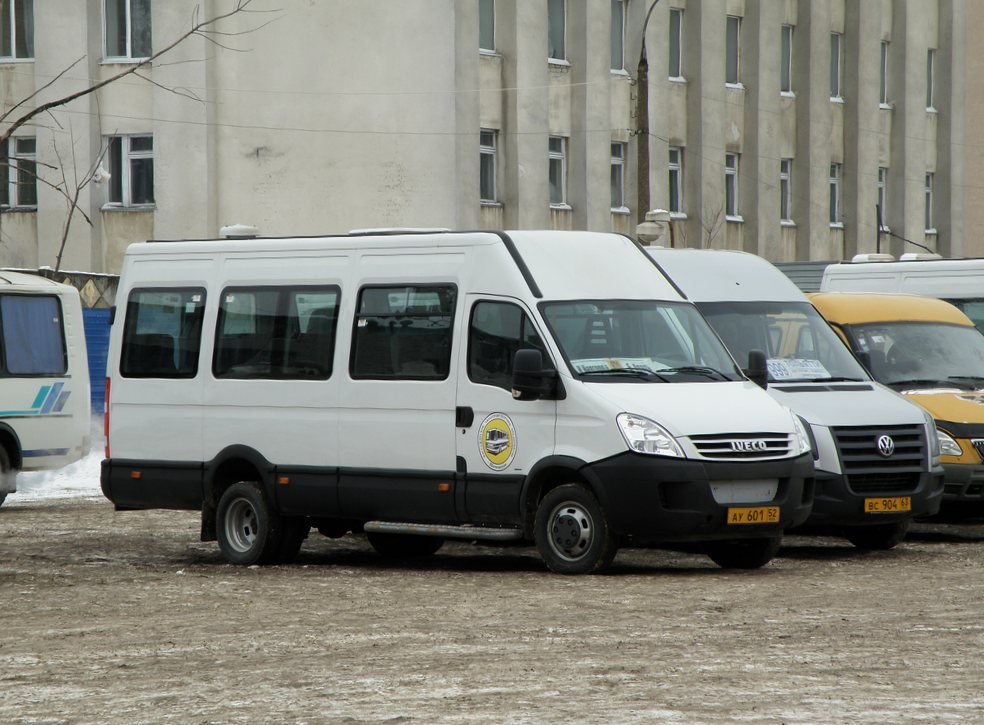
<point x="106" y="418"/>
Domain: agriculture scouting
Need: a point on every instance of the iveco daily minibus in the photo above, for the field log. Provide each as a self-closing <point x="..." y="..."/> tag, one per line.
<point x="44" y="377"/>
<point x="878" y="464"/>
<point x="549" y="387"/>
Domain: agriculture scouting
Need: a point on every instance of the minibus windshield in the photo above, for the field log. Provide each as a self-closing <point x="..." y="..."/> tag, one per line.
<point x="638" y="340"/>
<point x="923" y="354"/>
<point x="798" y="343"/>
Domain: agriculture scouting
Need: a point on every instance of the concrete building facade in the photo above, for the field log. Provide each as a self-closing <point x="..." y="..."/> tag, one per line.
<point x="774" y="126"/>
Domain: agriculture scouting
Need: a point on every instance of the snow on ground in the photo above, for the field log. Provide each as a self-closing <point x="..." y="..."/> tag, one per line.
<point x="76" y="480"/>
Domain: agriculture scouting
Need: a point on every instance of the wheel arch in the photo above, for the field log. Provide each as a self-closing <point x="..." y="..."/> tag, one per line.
<point x="548" y="474"/>
<point x="11" y="444"/>
<point x="231" y="465"/>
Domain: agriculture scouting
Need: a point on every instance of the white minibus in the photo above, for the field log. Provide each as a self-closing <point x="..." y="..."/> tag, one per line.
<point x="44" y="377"/>
<point x="532" y="386"/>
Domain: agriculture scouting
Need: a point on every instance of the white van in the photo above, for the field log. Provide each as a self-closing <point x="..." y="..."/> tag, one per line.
<point x="44" y="377"/>
<point x="489" y="386"/>
<point x="878" y="455"/>
<point x="957" y="281"/>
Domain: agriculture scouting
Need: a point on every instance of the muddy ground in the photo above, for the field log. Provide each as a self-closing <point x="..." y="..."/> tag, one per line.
<point x="127" y="618"/>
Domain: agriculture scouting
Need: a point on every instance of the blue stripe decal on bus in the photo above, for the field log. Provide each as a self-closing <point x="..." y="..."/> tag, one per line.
<point x="40" y="452"/>
<point x="50" y="399"/>
<point x="60" y="403"/>
<point x="49" y="402"/>
<point x="42" y="394"/>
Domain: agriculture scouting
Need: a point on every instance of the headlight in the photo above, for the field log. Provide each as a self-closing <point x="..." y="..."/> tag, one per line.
<point x="946" y="445"/>
<point x="801" y="439"/>
<point x="645" y="436"/>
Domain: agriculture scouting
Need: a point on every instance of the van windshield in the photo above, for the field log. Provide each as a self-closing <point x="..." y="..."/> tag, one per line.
<point x="798" y="343"/>
<point x="923" y="354"/>
<point x="644" y="340"/>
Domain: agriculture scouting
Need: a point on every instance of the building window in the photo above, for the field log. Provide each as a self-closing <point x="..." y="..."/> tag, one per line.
<point x="786" y="189"/>
<point x="403" y="332"/>
<point x="930" y="78"/>
<point x="835" y="193"/>
<point x="557" y="29"/>
<point x="786" y="60"/>
<point x="882" y="195"/>
<point x="128" y="29"/>
<point x="487" y="149"/>
<point x="930" y="224"/>
<point x="675" y="184"/>
<point x="558" y="170"/>
<point x="486" y="25"/>
<point x="19" y="166"/>
<point x="131" y="168"/>
<point x="731" y="185"/>
<point x="676" y="43"/>
<point x="732" y="51"/>
<point x="618" y="176"/>
<point x="835" y="66"/>
<point x="883" y="83"/>
<point x="16" y="29"/>
<point x="618" y="34"/>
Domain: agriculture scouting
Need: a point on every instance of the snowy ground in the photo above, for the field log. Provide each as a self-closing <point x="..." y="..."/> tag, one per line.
<point x="76" y="480"/>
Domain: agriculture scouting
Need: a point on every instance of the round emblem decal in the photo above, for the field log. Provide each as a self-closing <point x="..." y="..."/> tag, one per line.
<point x="886" y="446"/>
<point x="497" y="441"/>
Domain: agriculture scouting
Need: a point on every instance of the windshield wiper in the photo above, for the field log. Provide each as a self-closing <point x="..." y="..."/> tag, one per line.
<point x="835" y="379"/>
<point x="929" y="383"/>
<point x="697" y="370"/>
<point x="644" y="373"/>
<point x="974" y="380"/>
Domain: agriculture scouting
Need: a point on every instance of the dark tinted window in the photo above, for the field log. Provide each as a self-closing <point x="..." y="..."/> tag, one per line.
<point x="497" y="331"/>
<point x="162" y="333"/>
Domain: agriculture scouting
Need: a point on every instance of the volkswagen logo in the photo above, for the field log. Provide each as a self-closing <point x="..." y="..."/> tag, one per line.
<point x="886" y="446"/>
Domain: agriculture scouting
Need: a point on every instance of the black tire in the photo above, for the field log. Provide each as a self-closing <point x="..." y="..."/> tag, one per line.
<point x="404" y="546"/>
<point x="5" y="471"/>
<point x="572" y="533"/>
<point x="295" y="531"/>
<point x="744" y="553"/>
<point x="880" y="537"/>
<point x="248" y="530"/>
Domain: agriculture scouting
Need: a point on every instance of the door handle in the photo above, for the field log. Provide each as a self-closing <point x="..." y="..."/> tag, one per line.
<point x="464" y="416"/>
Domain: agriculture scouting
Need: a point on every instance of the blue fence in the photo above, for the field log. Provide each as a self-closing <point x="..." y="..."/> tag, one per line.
<point x="96" y="322"/>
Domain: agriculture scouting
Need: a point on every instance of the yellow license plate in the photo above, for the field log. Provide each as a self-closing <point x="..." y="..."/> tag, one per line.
<point x="754" y="515"/>
<point x="887" y="505"/>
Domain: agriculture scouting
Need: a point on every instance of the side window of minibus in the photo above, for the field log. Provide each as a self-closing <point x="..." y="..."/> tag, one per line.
<point x="33" y="335"/>
<point x="162" y="333"/>
<point x="403" y="332"/>
<point x="496" y="332"/>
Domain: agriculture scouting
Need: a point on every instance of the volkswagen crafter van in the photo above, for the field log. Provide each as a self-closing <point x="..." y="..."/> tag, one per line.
<point x="547" y="387"/>
<point x="877" y="455"/>
<point x="44" y="377"/>
<point x="932" y="353"/>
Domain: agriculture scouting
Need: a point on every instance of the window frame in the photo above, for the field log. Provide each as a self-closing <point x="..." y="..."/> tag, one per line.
<point x="674" y="169"/>
<point x="553" y="43"/>
<point x="14" y="10"/>
<point x="676" y="44"/>
<point x="929" y="189"/>
<point x="786" y="190"/>
<point x="732" y="55"/>
<point x="121" y="171"/>
<point x="618" y="53"/>
<point x="128" y="32"/>
<point x="931" y="79"/>
<point x="837" y="66"/>
<point x="618" y="176"/>
<point x="17" y="165"/>
<point x="882" y="195"/>
<point x="834" y="202"/>
<point x="786" y="59"/>
<point x="883" y="76"/>
<point x="488" y="154"/>
<point x="732" y="163"/>
<point x="557" y="158"/>
<point x="486" y="14"/>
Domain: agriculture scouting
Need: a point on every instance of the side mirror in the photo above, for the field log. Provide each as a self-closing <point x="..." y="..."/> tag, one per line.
<point x="758" y="369"/>
<point x="530" y="381"/>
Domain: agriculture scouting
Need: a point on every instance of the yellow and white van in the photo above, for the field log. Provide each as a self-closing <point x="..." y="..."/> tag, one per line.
<point x="548" y="387"/>
<point x="932" y="353"/>
<point x="44" y="377"/>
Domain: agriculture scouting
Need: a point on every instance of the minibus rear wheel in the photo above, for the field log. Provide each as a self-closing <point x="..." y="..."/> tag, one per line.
<point x="880" y="537"/>
<point x="744" y="553"/>
<point x="248" y="530"/>
<point x="572" y="533"/>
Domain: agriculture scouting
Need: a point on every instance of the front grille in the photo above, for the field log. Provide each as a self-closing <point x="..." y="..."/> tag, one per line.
<point x="868" y="470"/>
<point x="978" y="444"/>
<point x="742" y="446"/>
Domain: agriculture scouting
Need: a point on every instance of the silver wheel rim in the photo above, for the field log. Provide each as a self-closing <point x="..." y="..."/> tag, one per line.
<point x="570" y="531"/>
<point x="241" y="525"/>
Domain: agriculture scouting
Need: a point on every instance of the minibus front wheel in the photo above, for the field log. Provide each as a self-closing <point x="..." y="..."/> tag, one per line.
<point x="572" y="533"/>
<point x="744" y="553"/>
<point x="251" y="532"/>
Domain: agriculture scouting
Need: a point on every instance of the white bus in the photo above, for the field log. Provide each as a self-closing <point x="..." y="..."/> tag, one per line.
<point x="44" y="377"/>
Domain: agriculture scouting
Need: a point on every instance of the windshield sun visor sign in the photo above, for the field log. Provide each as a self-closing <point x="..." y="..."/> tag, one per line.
<point x="796" y="369"/>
